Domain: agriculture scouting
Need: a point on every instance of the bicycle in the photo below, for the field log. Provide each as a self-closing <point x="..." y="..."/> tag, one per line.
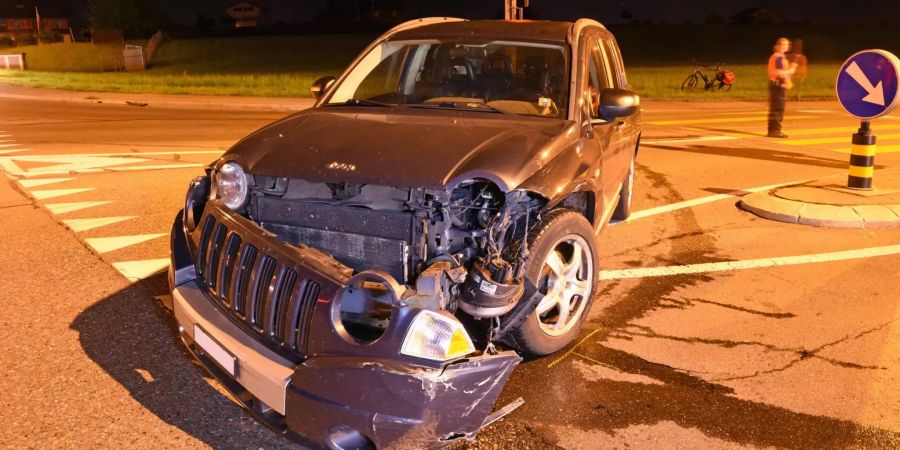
<point x="721" y="79"/>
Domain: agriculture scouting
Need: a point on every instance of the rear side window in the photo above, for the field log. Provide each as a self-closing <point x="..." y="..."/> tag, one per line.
<point x="616" y="62"/>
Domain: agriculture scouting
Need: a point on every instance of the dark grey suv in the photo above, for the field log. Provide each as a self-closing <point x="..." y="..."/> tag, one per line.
<point x="361" y="273"/>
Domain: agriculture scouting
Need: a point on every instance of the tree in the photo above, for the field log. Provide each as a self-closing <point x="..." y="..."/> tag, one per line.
<point x="133" y="17"/>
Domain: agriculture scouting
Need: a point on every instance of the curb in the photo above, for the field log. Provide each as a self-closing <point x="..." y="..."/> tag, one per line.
<point x="768" y="206"/>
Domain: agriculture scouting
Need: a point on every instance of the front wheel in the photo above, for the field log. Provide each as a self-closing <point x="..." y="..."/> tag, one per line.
<point x="562" y="268"/>
<point x="690" y="82"/>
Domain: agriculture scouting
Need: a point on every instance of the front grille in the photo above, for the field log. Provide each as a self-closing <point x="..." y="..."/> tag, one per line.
<point x="265" y="295"/>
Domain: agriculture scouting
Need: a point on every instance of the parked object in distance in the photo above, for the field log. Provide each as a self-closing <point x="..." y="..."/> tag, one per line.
<point x="718" y="79"/>
<point x="361" y="273"/>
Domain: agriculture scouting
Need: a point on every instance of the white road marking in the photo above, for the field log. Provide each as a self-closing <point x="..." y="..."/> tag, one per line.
<point x="108" y="244"/>
<point x="816" y="111"/>
<point x="701" y="201"/>
<point x="685" y="140"/>
<point x="138" y="270"/>
<point x="89" y="224"/>
<point x="9" y="145"/>
<point x="750" y="263"/>
<point x="41" y="182"/>
<point x="62" y="208"/>
<point x="131" y="154"/>
<point x="87" y="163"/>
<point x="52" y="193"/>
<point x="156" y="167"/>
<point x="9" y="152"/>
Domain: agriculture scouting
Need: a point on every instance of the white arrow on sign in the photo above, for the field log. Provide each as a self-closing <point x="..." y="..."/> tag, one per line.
<point x="876" y="93"/>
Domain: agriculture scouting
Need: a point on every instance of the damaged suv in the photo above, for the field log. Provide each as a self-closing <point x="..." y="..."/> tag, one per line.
<point x="361" y="274"/>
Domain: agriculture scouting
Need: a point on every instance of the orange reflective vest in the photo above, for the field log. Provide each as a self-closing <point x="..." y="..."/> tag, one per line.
<point x="776" y="62"/>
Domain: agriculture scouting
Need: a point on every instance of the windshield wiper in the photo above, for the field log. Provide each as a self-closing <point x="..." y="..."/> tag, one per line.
<point x="362" y="102"/>
<point x="460" y="105"/>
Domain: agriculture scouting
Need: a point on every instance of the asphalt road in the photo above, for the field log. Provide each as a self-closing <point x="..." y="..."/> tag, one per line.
<point x="704" y="335"/>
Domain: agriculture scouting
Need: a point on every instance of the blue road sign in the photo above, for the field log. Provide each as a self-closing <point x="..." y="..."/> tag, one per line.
<point x="867" y="85"/>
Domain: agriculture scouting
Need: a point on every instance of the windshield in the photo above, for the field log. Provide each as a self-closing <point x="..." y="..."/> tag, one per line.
<point x="500" y="76"/>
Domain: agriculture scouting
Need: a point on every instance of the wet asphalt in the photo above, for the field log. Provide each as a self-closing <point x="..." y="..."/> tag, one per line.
<point x="795" y="356"/>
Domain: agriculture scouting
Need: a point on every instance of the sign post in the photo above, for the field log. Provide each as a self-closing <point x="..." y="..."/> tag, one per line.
<point x="867" y="88"/>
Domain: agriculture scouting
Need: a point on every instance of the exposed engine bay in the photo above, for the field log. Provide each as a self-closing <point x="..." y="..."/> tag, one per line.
<point x="440" y="250"/>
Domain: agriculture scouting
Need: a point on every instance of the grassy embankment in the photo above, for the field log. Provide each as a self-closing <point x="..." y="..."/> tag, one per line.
<point x="285" y="66"/>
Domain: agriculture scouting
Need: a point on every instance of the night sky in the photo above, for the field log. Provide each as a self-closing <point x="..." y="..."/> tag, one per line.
<point x="610" y="12"/>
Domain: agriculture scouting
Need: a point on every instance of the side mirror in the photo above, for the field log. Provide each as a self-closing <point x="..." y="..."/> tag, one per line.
<point x="618" y="103"/>
<point x="319" y="87"/>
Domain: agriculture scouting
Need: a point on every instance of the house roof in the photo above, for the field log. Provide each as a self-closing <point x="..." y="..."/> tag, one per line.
<point x="24" y="9"/>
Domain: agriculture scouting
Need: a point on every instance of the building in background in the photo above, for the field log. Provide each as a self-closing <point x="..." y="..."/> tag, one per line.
<point x="18" y="19"/>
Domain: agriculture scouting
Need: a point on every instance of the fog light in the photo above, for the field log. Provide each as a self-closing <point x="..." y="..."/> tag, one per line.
<point x="436" y="337"/>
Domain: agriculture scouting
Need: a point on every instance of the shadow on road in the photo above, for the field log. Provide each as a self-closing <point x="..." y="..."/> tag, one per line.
<point x="131" y="336"/>
<point x="839" y="161"/>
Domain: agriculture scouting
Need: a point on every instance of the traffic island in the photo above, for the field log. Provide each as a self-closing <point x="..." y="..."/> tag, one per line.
<point x="828" y="202"/>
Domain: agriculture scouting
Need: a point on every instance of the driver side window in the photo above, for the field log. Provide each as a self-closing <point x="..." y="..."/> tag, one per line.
<point x="598" y="75"/>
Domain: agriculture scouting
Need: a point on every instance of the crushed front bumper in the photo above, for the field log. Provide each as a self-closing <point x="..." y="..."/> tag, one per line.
<point x="338" y="399"/>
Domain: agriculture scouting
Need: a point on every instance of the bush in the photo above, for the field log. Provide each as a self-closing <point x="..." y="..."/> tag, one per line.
<point x="25" y="39"/>
<point x="6" y="42"/>
<point x="49" y="37"/>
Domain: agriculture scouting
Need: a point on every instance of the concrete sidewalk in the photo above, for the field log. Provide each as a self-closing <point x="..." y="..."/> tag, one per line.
<point x="828" y="202"/>
<point x="159" y="100"/>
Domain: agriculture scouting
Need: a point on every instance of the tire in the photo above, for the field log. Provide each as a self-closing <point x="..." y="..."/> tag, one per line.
<point x="558" y="233"/>
<point x="690" y="82"/>
<point x="623" y="208"/>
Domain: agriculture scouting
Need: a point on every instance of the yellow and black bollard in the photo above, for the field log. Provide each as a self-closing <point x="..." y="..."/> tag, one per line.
<point x="862" y="158"/>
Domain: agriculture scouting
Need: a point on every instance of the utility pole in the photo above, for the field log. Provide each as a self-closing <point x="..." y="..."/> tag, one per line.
<point x="515" y="9"/>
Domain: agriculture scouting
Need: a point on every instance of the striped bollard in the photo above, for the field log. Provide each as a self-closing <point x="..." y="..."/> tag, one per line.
<point x="862" y="159"/>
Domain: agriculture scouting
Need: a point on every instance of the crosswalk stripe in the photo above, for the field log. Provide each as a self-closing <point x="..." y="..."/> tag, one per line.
<point x="9" y="145"/>
<point x="52" y="193"/>
<point x="41" y="182"/>
<point x="108" y="244"/>
<point x="62" y="208"/>
<point x="831" y="140"/>
<point x="878" y="149"/>
<point x="848" y="130"/>
<point x="155" y="167"/>
<point x="138" y="270"/>
<point x="89" y="224"/>
<point x="686" y="140"/>
<point x="719" y="120"/>
<point x="18" y="150"/>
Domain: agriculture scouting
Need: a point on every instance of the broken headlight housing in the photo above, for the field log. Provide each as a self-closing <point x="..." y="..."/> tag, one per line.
<point x="231" y="185"/>
<point x="436" y="337"/>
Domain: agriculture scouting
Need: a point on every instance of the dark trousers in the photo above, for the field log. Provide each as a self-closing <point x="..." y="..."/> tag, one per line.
<point x="777" y="97"/>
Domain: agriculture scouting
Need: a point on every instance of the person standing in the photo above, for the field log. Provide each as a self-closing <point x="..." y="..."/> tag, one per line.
<point x="780" y="73"/>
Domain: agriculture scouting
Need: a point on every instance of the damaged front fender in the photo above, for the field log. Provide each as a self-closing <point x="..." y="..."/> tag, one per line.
<point x="385" y="404"/>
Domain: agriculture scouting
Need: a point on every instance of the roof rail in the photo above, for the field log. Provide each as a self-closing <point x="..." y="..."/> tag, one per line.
<point x="580" y="24"/>
<point x="415" y="23"/>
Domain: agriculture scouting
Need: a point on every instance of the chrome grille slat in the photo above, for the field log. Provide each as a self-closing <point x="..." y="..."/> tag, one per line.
<point x="215" y="255"/>
<point x="301" y="314"/>
<point x="263" y="286"/>
<point x="242" y="279"/>
<point x="203" y="247"/>
<point x="276" y="308"/>
<point x="226" y="272"/>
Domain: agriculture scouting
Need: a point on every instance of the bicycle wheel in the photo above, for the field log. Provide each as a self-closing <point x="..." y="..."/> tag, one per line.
<point x="690" y="82"/>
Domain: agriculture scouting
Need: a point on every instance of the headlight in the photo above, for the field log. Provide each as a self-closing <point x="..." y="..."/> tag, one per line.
<point x="436" y="337"/>
<point x="231" y="185"/>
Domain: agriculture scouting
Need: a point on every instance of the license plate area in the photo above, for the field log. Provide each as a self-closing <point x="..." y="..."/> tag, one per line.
<point x="215" y="351"/>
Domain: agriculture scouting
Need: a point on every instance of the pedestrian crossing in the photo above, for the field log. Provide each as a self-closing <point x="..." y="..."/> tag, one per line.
<point x="809" y="129"/>
<point x="63" y="185"/>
